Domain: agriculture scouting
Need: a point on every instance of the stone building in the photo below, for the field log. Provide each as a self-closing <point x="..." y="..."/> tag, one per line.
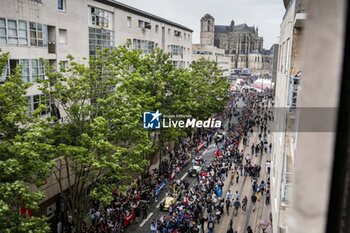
<point x="240" y="42"/>
<point x="34" y="29"/>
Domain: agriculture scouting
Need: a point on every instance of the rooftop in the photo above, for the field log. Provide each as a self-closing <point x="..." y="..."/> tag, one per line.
<point x="134" y="10"/>
<point x="239" y="27"/>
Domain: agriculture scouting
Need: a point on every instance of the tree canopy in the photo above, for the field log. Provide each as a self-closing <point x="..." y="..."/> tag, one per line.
<point x="97" y="141"/>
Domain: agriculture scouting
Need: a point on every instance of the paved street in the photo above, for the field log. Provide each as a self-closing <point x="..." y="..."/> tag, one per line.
<point x="244" y="187"/>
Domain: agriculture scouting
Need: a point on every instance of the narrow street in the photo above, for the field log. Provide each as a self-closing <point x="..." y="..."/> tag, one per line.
<point x="244" y="187"/>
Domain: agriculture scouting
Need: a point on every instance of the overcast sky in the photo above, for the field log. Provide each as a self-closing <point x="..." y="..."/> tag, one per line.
<point x="266" y="14"/>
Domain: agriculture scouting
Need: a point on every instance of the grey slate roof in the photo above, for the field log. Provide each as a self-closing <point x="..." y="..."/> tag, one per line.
<point x="239" y="27"/>
<point x="221" y="28"/>
<point x="142" y="13"/>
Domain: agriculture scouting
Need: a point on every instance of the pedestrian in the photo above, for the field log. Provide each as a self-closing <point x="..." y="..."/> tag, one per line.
<point x="249" y="229"/>
<point x="236" y="205"/>
<point x="235" y="195"/>
<point x="153" y="226"/>
<point x="202" y="221"/>
<point x="228" y="203"/>
<point x="230" y="229"/>
<point x="244" y="204"/>
<point x="237" y="177"/>
<point x="144" y="212"/>
<point x="268" y="166"/>
<point x="268" y="195"/>
<point x="218" y="215"/>
<point x="253" y="199"/>
<point x="262" y="187"/>
<point x="210" y="226"/>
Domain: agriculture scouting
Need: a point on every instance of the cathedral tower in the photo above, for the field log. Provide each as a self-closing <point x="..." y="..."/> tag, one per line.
<point x="207" y="30"/>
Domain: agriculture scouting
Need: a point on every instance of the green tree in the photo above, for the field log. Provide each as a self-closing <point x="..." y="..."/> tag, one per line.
<point x="19" y="165"/>
<point x="99" y="141"/>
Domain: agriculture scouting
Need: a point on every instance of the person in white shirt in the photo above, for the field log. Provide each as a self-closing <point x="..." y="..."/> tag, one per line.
<point x="235" y="195"/>
<point x="268" y="166"/>
<point x="229" y="195"/>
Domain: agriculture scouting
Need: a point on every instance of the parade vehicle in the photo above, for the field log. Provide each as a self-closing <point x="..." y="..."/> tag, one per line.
<point x="219" y="137"/>
<point x="170" y="199"/>
<point x="197" y="166"/>
<point x="204" y="171"/>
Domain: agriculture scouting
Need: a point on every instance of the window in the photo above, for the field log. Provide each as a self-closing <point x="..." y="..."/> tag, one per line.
<point x="100" y="18"/>
<point x="189" y="37"/>
<point x="62" y="36"/>
<point x="12" y="32"/>
<point x="177" y="33"/>
<point x="128" y="23"/>
<point x="15" y="32"/>
<point x="61" y="5"/>
<point x="22" y="33"/>
<point x="3" y="31"/>
<point x="32" y="69"/>
<point x="169" y="32"/>
<point x="185" y="36"/>
<point x="38" y="34"/>
<point x="145" y="45"/>
<point x="35" y="101"/>
<point x="176" y="50"/>
<point x="143" y="24"/>
<point x="37" y="70"/>
<point x="99" y="39"/>
<point x="157" y="28"/>
<point x="25" y="70"/>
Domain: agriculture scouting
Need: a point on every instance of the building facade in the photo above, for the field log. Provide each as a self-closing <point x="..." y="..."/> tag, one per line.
<point x="287" y="92"/>
<point x="241" y="43"/>
<point x="35" y="29"/>
<point x="212" y="53"/>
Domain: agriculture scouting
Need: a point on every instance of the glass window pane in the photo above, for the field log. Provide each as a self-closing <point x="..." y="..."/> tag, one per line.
<point x="33" y="34"/>
<point x="22" y="25"/>
<point x="32" y="26"/>
<point x="40" y="26"/>
<point x="3" y="40"/>
<point x="12" y="32"/>
<point x="22" y="33"/>
<point x="13" y="41"/>
<point x="12" y="24"/>
<point x="2" y="31"/>
<point x="34" y="62"/>
<point x="33" y="42"/>
<point x="23" y="41"/>
<point x="2" y="22"/>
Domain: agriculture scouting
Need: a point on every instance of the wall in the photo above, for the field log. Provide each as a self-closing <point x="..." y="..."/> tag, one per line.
<point x="324" y="33"/>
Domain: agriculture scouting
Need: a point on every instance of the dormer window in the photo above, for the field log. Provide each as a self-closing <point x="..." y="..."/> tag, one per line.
<point x="100" y="18"/>
<point x="144" y="24"/>
<point x="177" y="33"/>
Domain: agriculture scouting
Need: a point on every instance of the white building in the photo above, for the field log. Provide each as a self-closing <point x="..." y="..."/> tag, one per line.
<point x="212" y="53"/>
<point x="285" y="133"/>
<point x="33" y="29"/>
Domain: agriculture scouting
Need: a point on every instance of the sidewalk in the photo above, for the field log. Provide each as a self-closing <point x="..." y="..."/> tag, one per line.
<point x="244" y="188"/>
